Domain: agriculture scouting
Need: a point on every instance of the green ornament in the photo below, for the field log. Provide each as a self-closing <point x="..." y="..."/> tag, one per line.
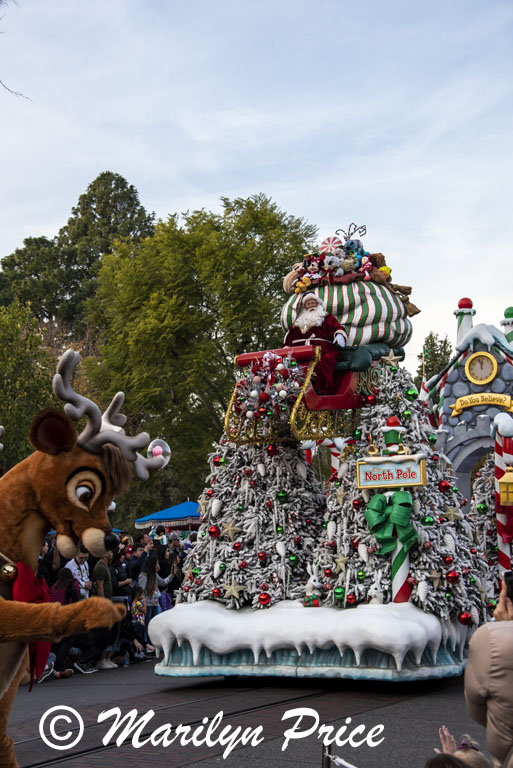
<point x="361" y="575"/>
<point x="310" y="487"/>
<point x="432" y="439"/>
<point x="492" y="603"/>
<point x="337" y="483"/>
<point x="448" y="595"/>
<point x="428" y="520"/>
<point x="283" y="496"/>
<point x="357" y="434"/>
<point x="455" y="488"/>
<point x="482" y="508"/>
<point x="203" y="533"/>
<point x="270" y="413"/>
<point x="196" y="571"/>
<point x="240" y="508"/>
<point x="293" y="559"/>
<point x="495" y="549"/>
<point x="279" y="529"/>
<point x="473" y="579"/>
<point x="284" y="408"/>
<point x="293" y="363"/>
<point x="222" y="567"/>
<point x="339" y="593"/>
<point x="412" y="394"/>
<point x="394" y="368"/>
<point x="406" y="414"/>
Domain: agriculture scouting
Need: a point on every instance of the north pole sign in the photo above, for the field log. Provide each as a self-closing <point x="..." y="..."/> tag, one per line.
<point x="401" y="471"/>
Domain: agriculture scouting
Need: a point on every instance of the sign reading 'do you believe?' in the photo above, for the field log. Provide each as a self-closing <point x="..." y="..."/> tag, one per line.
<point x="481" y="398"/>
<point x="400" y="471"/>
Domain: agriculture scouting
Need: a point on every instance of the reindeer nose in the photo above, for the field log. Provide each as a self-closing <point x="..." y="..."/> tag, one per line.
<point x="111" y="541"/>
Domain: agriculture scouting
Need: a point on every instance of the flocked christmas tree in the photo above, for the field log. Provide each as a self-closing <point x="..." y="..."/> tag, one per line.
<point x="261" y="518"/>
<point x="393" y="545"/>
<point x="483" y="512"/>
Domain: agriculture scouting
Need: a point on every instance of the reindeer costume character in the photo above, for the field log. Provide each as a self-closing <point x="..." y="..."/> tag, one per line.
<point x="67" y="484"/>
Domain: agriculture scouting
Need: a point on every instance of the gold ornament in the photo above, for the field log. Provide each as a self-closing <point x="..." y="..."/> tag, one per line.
<point x="452" y="514"/>
<point x="435" y="577"/>
<point x="8" y="572"/>
<point x="391" y="359"/>
<point x="341" y="563"/>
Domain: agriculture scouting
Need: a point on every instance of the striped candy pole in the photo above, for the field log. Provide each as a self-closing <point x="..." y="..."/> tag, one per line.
<point x="334" y="453"/>
<point x="503" y="457"/>
<point x="401" y="590"/>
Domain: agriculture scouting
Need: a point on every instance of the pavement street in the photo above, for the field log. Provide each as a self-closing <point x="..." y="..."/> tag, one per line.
<point x="411" y="714"/>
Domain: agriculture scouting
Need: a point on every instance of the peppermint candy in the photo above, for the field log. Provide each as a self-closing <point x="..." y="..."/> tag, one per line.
<point x="330" y="245"/>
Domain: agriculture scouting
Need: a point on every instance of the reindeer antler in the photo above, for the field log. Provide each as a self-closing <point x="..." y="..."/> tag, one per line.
<point x="2" y="432"/>
<point x="99" y="429"/>
<point x="353" y="229"/>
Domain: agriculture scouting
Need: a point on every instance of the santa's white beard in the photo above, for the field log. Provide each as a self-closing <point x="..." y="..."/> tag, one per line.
<point x="310" y="318"/>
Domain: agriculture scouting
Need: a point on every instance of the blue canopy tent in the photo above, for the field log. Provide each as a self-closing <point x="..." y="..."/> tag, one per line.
<point x="182" y="516"/>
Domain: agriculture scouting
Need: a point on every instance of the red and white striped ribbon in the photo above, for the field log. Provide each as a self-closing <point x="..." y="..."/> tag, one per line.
<point x="503" y="457"/>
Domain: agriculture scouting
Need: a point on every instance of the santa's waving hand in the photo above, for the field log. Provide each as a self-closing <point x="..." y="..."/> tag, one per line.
<point x="313" y="325"/>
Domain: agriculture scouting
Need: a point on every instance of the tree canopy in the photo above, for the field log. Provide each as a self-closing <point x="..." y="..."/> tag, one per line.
<point x="58" y="276"/>
<point x="436" y="354"/>
<point x="177" y="309"/>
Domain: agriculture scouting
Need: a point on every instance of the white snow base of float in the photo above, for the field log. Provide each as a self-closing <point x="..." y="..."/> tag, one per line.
<point x="396" y="642"/>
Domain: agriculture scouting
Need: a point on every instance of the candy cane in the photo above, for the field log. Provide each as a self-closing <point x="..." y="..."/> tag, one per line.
<point x="503" y="457"/>
<point x="401" y="590"/>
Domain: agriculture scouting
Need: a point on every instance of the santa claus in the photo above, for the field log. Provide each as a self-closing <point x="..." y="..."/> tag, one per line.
<point x="313" y="325"/>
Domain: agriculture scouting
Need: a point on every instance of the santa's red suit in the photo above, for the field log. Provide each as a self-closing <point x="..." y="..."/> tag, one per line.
<point x="320" y="336"/>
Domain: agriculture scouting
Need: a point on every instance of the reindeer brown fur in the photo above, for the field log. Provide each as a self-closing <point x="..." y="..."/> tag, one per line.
<point x="68" y="484"/>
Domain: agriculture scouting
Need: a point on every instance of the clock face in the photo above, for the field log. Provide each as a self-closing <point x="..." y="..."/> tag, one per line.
<point x="481" y="368"/>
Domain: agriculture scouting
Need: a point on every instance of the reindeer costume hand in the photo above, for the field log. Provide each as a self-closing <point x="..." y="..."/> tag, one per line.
<point x="68" y="483"/>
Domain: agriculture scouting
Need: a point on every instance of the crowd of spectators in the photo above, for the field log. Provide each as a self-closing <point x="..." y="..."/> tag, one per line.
<point x="143" y="574"/>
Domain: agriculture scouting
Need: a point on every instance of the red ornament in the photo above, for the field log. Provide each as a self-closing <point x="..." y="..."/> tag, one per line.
<point x="252" y="483"/>
<point x="489" y="532"/>
<point x="375" y="390"/>
<point x="210" y="493"/>
<point x="243" y="564"/>
<point x="351" y="599"/>
<point x="354" y="543"/>
<point x="465" y="303"/>
<point x="464" y="502"/>
<point x="371" y="400"/>
<point x="186" y="588"/>
<point x="411" y="580"/>
<point x="199" y="582"/>
<point x="262" y="556"/>
<point x="448" y="560"/>
<point x="442" y="519"/>
<point x="237" y="546"/>
<point x="332" y="544"/>
<point x="434" y="457"/>
<point x="465" y="617"/>
<point x="191" y="576"/>
<point x="217" y="461"/>
<point x="297" y="539"/>
<point x="264" y="587"/>
<point x="490" y="562"/>
<point x="357" y="503"/>
<point x="371" y="550"/>
<point x="214" y="531"/>
<point x="272" y="450"/>
<point x="453" y="577"/>
<point x="327" y="587"/>
<point x="328" y="573"/>
<point x="216" y="592"/>
<point x="264" y="397"/>
<point x="473" y="551"/>
<point x="248" y="472"/>
<point x="444" y="486"/>
<point x="466" y="571"/>
<point x="308" y="521"/>
<point x="269" y="504"/>
<point x="427" y="545"/>
<point x="264" y="598"/>
<point x="262" y="410"/>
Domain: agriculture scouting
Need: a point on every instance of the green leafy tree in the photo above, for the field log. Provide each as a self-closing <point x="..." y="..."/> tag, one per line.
<point x="25" y="380"/>
<point x="58" y="276"/>
<point x="178" y="308"/>
<point x="436" y="354"/>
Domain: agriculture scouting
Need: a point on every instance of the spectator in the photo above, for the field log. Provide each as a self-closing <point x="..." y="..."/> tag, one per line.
<point x="121" y="583"/>
<point x="138" y="613"/>
<point x="80" y="570"/>
<point x="138" y="559"/>
<point x="50" y="561"/>
<point x="445" y="761"/>
<point x="489" y="681"/>
<point x="467" y="750"/>
<point x="103" y="579"/>
<point x="175" y="545"/>
<point x="65" y="591"/>
<point x="150" y="581"/>
<point x="161" y="536"/>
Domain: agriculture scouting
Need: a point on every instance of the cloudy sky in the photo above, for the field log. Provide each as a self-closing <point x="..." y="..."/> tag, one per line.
<point x="390" y="113"/>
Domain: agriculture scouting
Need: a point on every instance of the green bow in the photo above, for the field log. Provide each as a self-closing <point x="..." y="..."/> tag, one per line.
<point x="383" y="515"/>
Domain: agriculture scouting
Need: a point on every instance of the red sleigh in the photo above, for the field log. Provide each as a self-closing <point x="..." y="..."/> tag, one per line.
<point x="313" y="416"/>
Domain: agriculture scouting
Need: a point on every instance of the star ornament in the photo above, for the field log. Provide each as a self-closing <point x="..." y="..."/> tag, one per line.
<point x="233" y="589"/>
<point x="453" y="513"/>
<point x="435" y="577"/>
<point x="341" y="563"/>
<point x="231" y="530"/>
<point x="391" y="359"/>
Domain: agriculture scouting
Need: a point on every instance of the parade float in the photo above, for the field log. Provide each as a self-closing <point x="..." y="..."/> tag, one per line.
<point x="375" y="577"/>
